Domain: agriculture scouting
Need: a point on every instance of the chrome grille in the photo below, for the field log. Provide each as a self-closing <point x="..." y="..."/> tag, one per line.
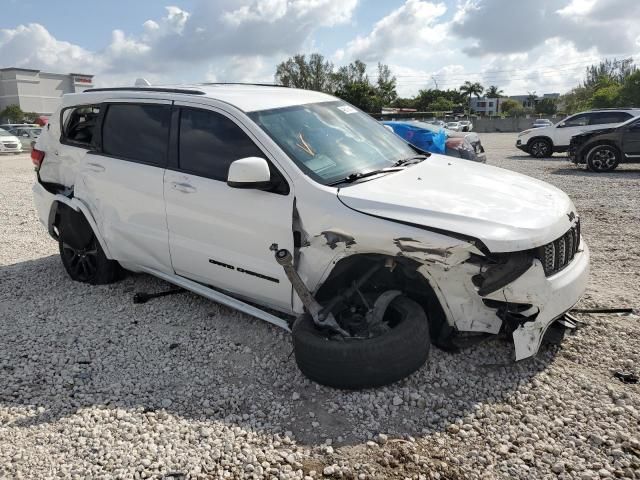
<point x="558" y="254"/>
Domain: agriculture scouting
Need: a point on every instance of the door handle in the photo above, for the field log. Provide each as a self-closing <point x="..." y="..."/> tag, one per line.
<point x="183" y="187"/>
<point x="95" y="167"/>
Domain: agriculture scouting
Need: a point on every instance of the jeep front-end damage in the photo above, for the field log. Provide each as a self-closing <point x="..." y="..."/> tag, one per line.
<point x="462" y="287"/>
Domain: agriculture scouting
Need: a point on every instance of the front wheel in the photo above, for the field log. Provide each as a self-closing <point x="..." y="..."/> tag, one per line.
<point x="355" y="363"/>
<point x="541" y="148"/>
<point x="603" y="158"/>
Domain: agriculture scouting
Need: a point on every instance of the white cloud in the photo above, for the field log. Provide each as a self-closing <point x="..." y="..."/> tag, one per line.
<point x="411" y="26"/>
<point x="234" y="38"/>
<point x="33" y="46"/>
<point x="542" y="45"/>
<point x="577" y="7"/>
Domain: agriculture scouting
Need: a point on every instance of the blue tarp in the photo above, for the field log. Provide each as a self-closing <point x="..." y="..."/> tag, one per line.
<point x="422" y="138"/>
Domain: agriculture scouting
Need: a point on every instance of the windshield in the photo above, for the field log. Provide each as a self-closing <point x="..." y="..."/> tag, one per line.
<point x="332" y="140"/>
<point x="36" y="131"/>
<point x="4" y="133"/>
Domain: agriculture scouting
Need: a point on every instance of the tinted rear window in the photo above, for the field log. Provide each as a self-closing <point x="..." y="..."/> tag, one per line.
<point x="137" y="132"/>
<point x="601" y="118"/>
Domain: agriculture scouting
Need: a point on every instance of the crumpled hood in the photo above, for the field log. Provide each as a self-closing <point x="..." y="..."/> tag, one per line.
<point x="507" y="211"/>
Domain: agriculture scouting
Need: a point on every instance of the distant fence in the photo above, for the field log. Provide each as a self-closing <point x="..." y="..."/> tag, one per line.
<point x="480" y="124"/>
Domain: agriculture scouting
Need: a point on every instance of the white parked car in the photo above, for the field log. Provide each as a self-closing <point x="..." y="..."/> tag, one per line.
<point x="269" y="198"/>
<point x="455" y="126"/>
<point x="465" y="125"/>
<point x="544" y="141"/>
<point x="9" y="143"/>
<point x="541" y="122"/>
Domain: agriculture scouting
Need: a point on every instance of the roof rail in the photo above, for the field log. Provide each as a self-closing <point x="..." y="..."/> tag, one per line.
<point x="245" y="83"/>
<point x="614" y="108"/>
<point x="148" y="89"/>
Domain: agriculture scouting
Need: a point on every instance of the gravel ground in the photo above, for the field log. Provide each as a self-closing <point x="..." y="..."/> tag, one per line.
<point x="94" y="386"/>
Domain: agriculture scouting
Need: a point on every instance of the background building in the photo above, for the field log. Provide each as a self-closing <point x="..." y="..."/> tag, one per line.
<point x="38" y="91"/>
<point x="485" y="106"/>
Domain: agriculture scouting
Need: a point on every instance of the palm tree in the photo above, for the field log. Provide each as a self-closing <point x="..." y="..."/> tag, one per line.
<point x="471" y="89"/>
<point x="495" y="92"/>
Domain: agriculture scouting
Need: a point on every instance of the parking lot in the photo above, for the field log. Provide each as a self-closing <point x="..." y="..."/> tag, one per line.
<point x="93" y="385"/>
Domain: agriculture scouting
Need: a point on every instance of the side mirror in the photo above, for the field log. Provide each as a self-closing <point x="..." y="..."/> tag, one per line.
<point x="250" y="172"/>
<point x="561" y="125"/>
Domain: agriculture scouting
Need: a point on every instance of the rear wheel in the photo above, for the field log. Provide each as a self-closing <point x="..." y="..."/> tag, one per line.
<point x="81" y="253"/>
<point x="540" y="148"/>
<point x="355" y="363"/>
<point x="603" y="158"/>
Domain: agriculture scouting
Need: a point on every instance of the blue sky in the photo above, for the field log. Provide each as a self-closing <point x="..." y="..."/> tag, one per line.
<point x="525" y="45"/>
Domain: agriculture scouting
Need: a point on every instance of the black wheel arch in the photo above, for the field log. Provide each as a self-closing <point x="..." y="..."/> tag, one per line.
<point x="404" y="277"/>
<point x="539" y="137"/>
<point x="596" y="143"/>
<point x="587" y="147"/>
<point x="63" y="216"/>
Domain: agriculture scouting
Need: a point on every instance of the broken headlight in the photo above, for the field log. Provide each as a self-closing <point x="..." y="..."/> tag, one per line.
<point x="500" y="270"/>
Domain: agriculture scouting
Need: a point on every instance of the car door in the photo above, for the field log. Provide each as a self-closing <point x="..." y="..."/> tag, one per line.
<point x="568" y="128"/>
<point x="121" y="181"/>
<point x="631" y="141"/>
<point x="219" y="235"/>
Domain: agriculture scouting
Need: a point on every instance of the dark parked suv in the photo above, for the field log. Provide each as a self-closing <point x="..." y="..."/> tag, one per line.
<point x="603" y="149"/>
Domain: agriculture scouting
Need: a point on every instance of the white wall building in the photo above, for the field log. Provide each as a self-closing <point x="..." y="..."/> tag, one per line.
<point x="485" y="106"/>
<point x="38" y="91"/>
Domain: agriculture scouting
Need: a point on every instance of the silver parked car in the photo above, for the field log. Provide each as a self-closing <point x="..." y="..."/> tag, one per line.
<point x="27" y="135"/>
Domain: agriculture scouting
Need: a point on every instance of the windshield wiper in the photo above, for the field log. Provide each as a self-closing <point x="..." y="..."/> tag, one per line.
<point x="412" y="159"/>
<point x="358" y="175"/>
<point x="403" y="162"/>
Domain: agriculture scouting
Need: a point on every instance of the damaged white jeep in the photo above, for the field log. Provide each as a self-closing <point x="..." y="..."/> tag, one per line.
<point x="299" y="209"/>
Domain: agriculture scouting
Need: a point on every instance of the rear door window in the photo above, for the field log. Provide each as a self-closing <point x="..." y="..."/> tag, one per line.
<point x="210" y="142"/>
<point x="79" y="124"/>
<point x="602" y="118"/>
<point x="137" y="132"/>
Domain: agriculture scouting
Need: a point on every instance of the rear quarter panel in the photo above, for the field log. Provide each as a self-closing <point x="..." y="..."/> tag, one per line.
<point x="61" y="162"/>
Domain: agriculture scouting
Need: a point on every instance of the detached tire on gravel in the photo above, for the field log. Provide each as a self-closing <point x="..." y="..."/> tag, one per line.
<point x="365" y="363"/>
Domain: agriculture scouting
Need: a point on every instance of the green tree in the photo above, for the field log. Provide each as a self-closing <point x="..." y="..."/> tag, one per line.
<point x="607" y="96"/>
<point x="609" y="71"/>
<point x="314" y="74"/>
<point x="385" y="85"/>
<point x="546" y="106"/>
<point x="13" y="113"/>
<point x="353" y="86"/>
<point x="630" y="91"/>
<point x="404" y="103"/>
<point x="469" y="89"/>
<point x="511" y="107"/>
<point x="441" y="104"/>
<point x="31" y="117"/>
<point x="576" y="100"/>
<point x="495" y="92"/>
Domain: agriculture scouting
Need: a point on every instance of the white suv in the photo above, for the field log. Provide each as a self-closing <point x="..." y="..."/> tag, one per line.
<point x="267" y="198"/>
<point x="544" y="141"/>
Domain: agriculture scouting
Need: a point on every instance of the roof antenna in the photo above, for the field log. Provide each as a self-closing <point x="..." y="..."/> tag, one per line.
<point x="142" y="82"/>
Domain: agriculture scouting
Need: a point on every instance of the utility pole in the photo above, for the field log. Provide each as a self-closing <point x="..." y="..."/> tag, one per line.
<point x="434" y="81"/>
